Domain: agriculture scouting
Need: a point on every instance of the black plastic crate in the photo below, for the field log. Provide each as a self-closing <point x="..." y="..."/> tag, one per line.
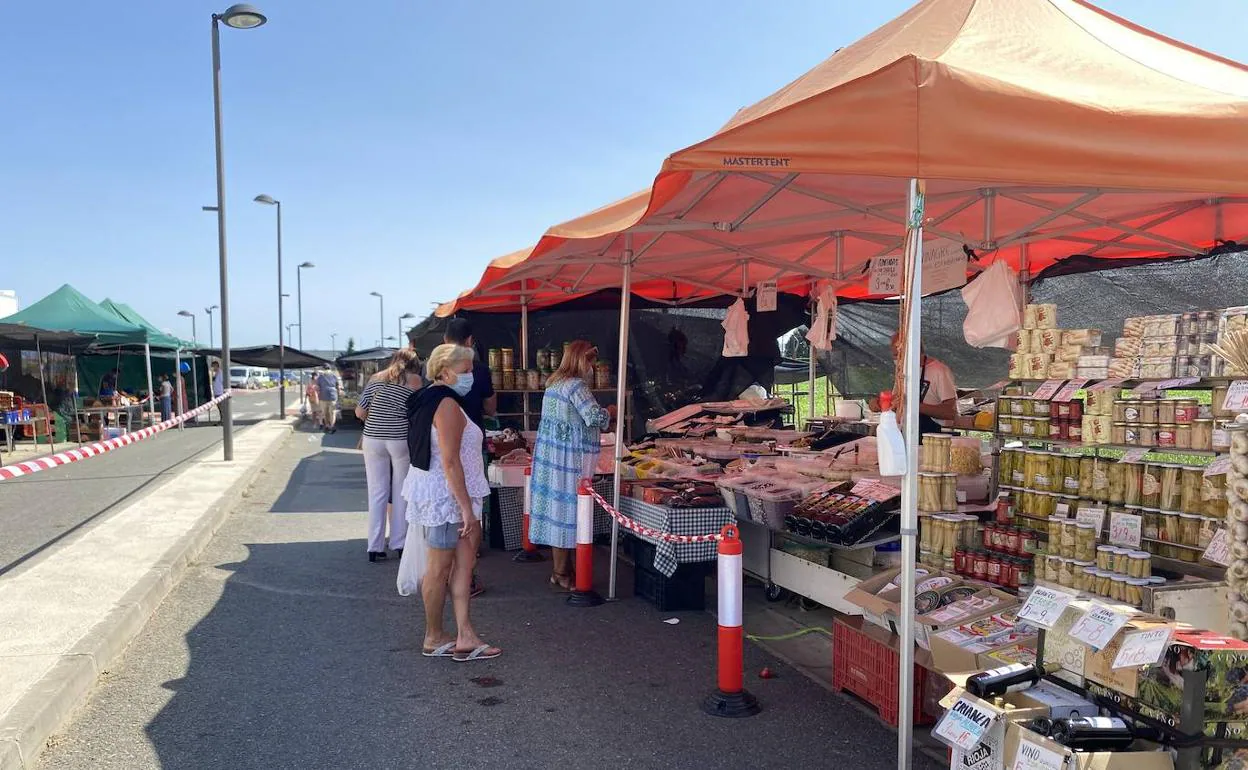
<point x="684" y="590"/>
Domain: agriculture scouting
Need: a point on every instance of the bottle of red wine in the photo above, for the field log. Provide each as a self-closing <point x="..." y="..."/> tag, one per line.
<point x="1093" y="733"/>
<point x="1007" y="679"/>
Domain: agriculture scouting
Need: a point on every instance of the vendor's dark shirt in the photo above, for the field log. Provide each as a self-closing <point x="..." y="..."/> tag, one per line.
<point x="108" y="385"/>
<point x="482" y="388"/>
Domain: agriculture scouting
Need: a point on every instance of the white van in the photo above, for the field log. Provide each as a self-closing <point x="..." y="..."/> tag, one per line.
<point x="248" y="377"/>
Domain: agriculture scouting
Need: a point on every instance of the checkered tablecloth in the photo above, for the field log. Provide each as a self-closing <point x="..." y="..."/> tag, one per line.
<point x="677" y="521"/>
<point x="511" y="512"/>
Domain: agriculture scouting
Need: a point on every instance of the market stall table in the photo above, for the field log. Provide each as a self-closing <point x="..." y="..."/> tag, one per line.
<point x="127" y="414"/>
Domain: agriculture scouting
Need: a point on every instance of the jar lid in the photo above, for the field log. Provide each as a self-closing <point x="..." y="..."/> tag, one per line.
<point x="1151" y="510"/>
<point x="1119" y="551"/>
<point x="1084" y="564"/>
<point x="1106" y="548"/>
<point x="1123" y="424"/>
<point x="1157" y="580"/>
<point x="1118" y="578"/>
<point x="1068" y="497"/>
<point x="1091" y="570"/>
<point x="1086" y="525"/>
<point x="1169" y="425"/>
<point x="1204" y="419"/>
<point x="1137" y="581"/>
<point x="1189" y="516"/>
<point x="928" y="474"/>
<point x="1169" y="513"/>
<point x="1140" y="555"/>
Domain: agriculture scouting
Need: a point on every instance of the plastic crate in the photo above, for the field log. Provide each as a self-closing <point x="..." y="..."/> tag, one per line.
<point x="684" y="590"/>
<point x="867" y="667"/>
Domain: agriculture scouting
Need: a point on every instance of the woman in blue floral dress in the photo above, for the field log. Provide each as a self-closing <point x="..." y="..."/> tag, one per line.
<point x="566" y="452"/>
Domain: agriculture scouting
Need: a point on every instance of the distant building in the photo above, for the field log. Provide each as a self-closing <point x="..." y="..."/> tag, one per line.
<point x="8" y="302"/>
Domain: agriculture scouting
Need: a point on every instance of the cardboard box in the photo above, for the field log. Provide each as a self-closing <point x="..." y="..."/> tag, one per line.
<point x="989" y="753"/>
<point x="1098" y="665"/>
<point x="984" y="602"/>
<point x="882" y="608"/>
<point x="970" y="647"/>
<point x="1224" y="663"/>
<point x="1045" y="752"/>
<point x="1060" y="702"/>
<point x="1060" y="648"/>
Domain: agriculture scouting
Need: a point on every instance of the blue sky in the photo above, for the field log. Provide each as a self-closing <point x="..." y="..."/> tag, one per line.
<point x="410" y="141"/>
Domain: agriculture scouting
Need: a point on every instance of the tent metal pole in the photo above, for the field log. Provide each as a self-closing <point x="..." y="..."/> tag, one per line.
<point x="829" y="398"/>
<point x="179" y="383"/>
<point x="524" y="348"/>
<point x="990" y="218"/>
<point x="195" y="385"/>
<point x="810" y="355"/>
<point x="47" y="408"/>
<point x="621" y="404"/>
<point x="910" y="485"/>
<point x="73" y="398"/>
<point x="1024" y="274"/>
<point x="151" y="394"/>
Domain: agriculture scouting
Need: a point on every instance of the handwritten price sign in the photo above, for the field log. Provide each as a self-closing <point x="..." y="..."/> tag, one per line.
<point x="1125" y="529"/>
<point x="1044" y="606"/>
<point x="1106" y="384"/>
<point x="1143" y="648"/>
<point x="1098" y="625"/>
<point x="1069" y="390"/>
<point x="963" y="726"/>
<point x="1047" y="389"/>
<point x="1236" y="397"/>
<point x="1219" y="550"/>
<point x="1219" y="467"/>
<point x="1091" y="516"/>
<point x="1135" y="454"/>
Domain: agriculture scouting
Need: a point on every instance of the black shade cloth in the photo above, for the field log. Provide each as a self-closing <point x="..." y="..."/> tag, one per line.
<point x="23" y="335"/>
<point x="268" y="356"/>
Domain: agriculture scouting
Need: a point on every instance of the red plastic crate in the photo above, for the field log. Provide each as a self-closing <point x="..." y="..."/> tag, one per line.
<point x="868" y="668"/>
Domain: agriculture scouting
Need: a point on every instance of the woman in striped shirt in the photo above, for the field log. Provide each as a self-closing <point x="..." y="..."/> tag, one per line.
<point x="383" y="408"/>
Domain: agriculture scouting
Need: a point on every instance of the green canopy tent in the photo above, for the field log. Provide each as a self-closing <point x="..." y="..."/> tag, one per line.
<point x="159" y="341"/>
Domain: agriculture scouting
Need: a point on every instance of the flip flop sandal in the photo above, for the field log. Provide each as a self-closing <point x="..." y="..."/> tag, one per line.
<point x="481" y="653"/>
<point x="442" y="651"/>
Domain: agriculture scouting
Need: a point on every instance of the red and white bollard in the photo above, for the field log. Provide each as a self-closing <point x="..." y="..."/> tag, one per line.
<point x="584" y="594"/>
<point x="528" y="551"/>
<point x="730" y="698"/>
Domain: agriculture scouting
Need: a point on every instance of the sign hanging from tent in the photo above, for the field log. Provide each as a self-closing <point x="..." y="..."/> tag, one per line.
<point x="766" y="297"/>
<point x="944" y="267"/>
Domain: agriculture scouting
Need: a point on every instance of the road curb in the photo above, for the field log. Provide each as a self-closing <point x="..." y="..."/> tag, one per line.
<point x="42" y="710"/>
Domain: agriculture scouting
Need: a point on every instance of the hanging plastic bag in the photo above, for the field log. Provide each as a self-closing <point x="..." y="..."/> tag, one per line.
<point x="736" y="331"/>
<point x="412" y="564"/>
<point x="823" y="329"/>
<point x="992" y="300"/>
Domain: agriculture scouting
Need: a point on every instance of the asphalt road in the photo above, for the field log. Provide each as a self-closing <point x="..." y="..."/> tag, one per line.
<point x="284" y="648"/>
<point x="39" y="510"/>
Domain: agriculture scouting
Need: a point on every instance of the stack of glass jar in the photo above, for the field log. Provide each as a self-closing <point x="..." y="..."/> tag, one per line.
<point x="1165" y="423"/>
<point x="996" y="553"/>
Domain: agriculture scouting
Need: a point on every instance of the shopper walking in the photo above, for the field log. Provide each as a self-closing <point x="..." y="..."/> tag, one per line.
<point x="445" y="490"/>
<point x="313" y="405"/>
<point x="566" y="452"/>
<point x="166" y="398"/>
<point x="327" y="387"/>
<point x="383" y="408"/>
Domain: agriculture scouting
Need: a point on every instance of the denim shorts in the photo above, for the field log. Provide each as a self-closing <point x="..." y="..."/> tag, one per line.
<point x="446" y="536"/>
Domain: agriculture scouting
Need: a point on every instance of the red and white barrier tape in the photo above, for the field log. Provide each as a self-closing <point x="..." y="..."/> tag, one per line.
<point x="100" y="447"/>
<point x="645" y="531"/>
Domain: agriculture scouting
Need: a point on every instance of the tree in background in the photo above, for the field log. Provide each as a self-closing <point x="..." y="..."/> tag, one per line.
<point x="350" y="345"/>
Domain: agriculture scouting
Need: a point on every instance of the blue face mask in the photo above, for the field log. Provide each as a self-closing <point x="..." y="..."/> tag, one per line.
<point x="463" y="384"/>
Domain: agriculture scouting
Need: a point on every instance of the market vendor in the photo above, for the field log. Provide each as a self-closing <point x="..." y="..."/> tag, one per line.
<point x="108" y="386"/>
<point x="938" y="393"/>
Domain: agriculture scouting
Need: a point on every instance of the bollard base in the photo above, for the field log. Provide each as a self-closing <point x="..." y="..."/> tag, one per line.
<point x="528" y="556"/>
<point x="732" y="705"/>
<point x="584" y="599"/>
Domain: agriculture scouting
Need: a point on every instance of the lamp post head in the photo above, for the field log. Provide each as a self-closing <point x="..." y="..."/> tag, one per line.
<point x="242" y="16"/>
<point x="186" y="314"/>
<point x="209" y="310"/>
<point x="374" y="294"/>
<point x="266" y="199"/>
<point x="307" y="264"/>
<point x="406" y="316"/>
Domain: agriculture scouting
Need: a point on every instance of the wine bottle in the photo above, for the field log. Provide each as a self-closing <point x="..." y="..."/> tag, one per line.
<point x="1007" y="679"/>
<point x="1093" y="733"/>
<point x="1041" y="726"/>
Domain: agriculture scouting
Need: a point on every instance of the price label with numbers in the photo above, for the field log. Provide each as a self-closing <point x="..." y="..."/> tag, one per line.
<point x="1091" y="516"/>
<point x="1219" y="466"/>
<point x="1143" y="648"/>
<point x="1219" y="550"/>
<point x="1125" y="529"/>
<point x="1033" y="756"/>
<point x="964" y="724"/>
<point x="1047" y="389"/>
<point x="1135" y="454"/>
<point x="1098" y="625"/>
<point x="1068" y="391"/>
<point x="1045" y="605"/>
<point x="1236" y="397"/>
<point x="1106" y="384"/>
<point x="1177" y="382"/>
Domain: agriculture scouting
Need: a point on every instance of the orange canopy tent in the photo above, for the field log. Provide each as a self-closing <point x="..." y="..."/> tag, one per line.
<point x="1042" y="128"/>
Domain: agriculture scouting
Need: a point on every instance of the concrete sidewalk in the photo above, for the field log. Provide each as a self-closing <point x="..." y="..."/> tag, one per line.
<point x="285" y="648"/>
<point x="67" y="616"/>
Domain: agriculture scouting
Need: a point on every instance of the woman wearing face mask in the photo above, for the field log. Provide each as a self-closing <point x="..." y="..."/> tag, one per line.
<point x="566" y="452"/>
<point x="383" y="408"/>
<point x="445" y="489"/>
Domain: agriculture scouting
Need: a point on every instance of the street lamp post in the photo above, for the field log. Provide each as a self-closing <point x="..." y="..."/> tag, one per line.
<point x="333" y="344"/>
<point x="194" y="370"/>
<point x="209" y="310"/>
<point x="289" y="327"/>
<point x="403" y="318"/>
<point x="381" y="341"/>
<point x="240" y="16"/>
<point x="299" y="309"/>
<point x="269" y="200"/>
<point x="190" y="315"/>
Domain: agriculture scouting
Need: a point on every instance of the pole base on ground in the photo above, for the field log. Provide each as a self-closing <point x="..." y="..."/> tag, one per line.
<point x="584" y="599"/>
<point x="733" y="705"/>
<point x="528" y="556"/>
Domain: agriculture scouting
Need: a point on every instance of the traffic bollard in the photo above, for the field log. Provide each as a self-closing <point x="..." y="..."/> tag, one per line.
<point x="584" y="594"/>
<point x="730" y="698"/>
<point x="528" y="551"/>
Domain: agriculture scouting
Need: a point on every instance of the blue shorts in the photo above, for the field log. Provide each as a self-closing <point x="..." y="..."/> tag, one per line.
<point x="444" y="537"/>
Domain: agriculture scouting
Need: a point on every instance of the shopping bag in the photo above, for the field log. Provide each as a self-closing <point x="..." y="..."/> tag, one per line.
<point x="992" y="302"/>
<point x="412" y="565"/>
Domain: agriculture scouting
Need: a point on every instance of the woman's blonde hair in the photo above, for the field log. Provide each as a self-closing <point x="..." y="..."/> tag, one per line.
<point x="444" y="357"/>
<point x="576" y="363"/>
<point x="404" y="361"/>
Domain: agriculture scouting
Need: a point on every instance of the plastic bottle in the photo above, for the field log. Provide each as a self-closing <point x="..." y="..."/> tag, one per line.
<point x="890" y="445"/>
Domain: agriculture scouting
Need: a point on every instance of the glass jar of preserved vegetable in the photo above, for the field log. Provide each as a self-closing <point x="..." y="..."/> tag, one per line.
<point x="1122" y="560"/>
<point x="949" y="491"/>
<point x="1151" y="526"/>
<point x="1053" y="568"/>
<point x="1118" y="588"/>
<point x="1150" y="486"/>
<point x="1105" y="557"/>
<point x="1165" y="410"/>
<point x="1070" y="475"/>
<point x="1066" y="573"/>
<point x="1070" y="538"/>
<point x="1183" y="436"/>
<point x="1213" y="493"/>
<point x="1208" y="528"/>
<point x="1005" y="467"/>
<point x="1202" y="434"/>
<point x="1117" y="475"/>
<point x="929" y="492"/>
<point x="1085" y="542"/>
<point x="1055" y="533"/>
<point x="1148" y="411"/>
<point x="1171" y="488"/>
<point x="1168" y="527"/>
<point x="1133" y="473"/>
<point x="1139" y="564"/>
<point x="1104" y="582"/>
<point x="1135" y="592"/>
<point x="1189" y="531"/>
<point x="1046" y="504"/>
<point x="1191" y="483"/>
<point x="1088" y="584"/>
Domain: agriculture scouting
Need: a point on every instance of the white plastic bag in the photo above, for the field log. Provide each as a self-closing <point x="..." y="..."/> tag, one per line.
<point x="736" y="331"/>
<point x="822" y="331"/>
<point x="412" y="565"/>
<point x="992" y="300"/>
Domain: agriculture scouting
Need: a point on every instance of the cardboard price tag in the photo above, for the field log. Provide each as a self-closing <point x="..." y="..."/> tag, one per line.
<point x="1091" y="516"/>
<point x="1125" y="529"/>
<point x="1047" y="389"/>
<point x="1219" y="550"/>
<point x="1144" y="387"/>
<point x="1106" y="384"/>
<point x="1135" y="454"/>
<point x="1045" y="606"/>
<point x="1219" y="466"/>
<point x="1236" y="397"/>
<point x="1143" y="648"/>
<point x="1033" y="756"/>
<point x="884" y="275"/>
<point x="1177" y="382"/>
<point x="963" y="726"/>
<point x="1068" y="391"/>
<point x="1098" y="625"/>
